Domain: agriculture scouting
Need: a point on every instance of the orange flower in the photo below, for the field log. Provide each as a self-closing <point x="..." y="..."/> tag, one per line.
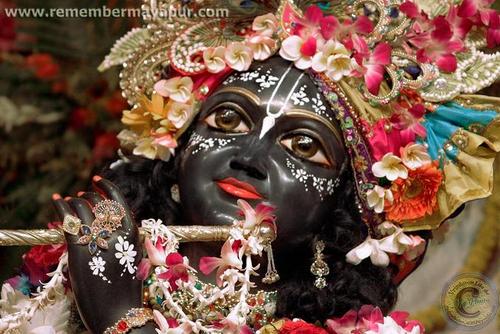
<point x="415" y="196"/>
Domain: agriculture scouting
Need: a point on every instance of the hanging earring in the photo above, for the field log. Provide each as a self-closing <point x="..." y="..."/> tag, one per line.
<point x="319" y="267"/>
<point x="174" y="193"/>
<point x="272" y="275"/>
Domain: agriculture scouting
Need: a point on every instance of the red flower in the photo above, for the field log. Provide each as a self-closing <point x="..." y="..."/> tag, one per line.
<point x="415" y="196"/>
<point x="177" y="270"/>
<point x="44" y="66"/>
<point x="300" y="327"/>
<point x="40" y="260"/>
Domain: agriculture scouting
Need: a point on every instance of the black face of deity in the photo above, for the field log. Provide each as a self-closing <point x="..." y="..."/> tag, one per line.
<point x="264" y="135"/>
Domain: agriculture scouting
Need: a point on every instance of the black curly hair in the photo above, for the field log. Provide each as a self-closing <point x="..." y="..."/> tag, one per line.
<point x="146" y="186"/>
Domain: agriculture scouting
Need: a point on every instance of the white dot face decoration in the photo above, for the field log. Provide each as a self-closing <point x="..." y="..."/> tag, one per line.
<point x="202" y="144"/>
<point x="323" y="186"/>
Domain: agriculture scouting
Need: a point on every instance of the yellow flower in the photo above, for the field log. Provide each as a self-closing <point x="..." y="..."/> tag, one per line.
<point x="142" y="117"/>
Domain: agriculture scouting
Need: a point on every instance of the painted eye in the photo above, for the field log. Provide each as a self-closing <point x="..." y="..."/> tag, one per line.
<point x="228" y="120"/>
<point x="306" y="147"/>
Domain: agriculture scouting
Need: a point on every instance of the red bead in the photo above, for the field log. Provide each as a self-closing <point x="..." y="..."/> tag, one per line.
<point x="122" y="326"/>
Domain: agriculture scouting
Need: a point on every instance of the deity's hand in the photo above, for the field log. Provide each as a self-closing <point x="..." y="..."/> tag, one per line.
<point x="102" y="265"/>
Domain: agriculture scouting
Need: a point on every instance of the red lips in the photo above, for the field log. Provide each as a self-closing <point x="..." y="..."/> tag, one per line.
<point x="239" y="188"/>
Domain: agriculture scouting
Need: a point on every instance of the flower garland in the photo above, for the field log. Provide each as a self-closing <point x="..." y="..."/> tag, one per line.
<point x="178" y="297"/>
<point x="172" y="274"/>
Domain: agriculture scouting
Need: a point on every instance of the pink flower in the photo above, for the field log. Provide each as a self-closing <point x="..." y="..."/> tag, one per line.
<point x="460" y="26"/>
<point x="315" y="24"/>
<point x="166" y="140"/>
<point x="356" y="322"/>
<point x="400" y="317"/>
<point x="229" y="259"/>
<point x="178" y="269"/>
<point x="170" y="325"/>
<point x="480" y="8"/>
<point x="143" y="269"/>
<point x="156" y="253"/>
<point x="156" y="257"/>
<point x="440" y="47"/>
<point x="407" y="121"/>
<point x="371" y="64"/>
<point x="263" y="213"/>
<point x="493" y="31"/>
<point x="348" y="30"/>
<point x="403" y="128"/>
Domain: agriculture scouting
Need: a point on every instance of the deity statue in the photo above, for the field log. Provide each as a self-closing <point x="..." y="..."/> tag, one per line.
<point x="345" y="142"/>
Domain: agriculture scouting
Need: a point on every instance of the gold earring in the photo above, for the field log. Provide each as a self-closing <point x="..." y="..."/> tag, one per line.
<point x="272" y="275"/>
<point x="319" y="267"/>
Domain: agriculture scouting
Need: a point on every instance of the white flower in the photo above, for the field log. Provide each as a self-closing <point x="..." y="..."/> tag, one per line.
<point x="125" y="253"/>
<point x="147" y="147"/>
<point x="415" y="156"/>
<point x="214" y="59"/>
<point x="97" y="265"/>
<point x="334" y="59"/>
<point x="50" y="319"/>
<point x="262" y="46"/>
<point x="265" y="24"/>
<point x="179" y="113"/>
<point x="12" y="300"/>
<point x="291" y="50"/>
<point x="239" y="56"/>
<point x="398" y="242"/>
<point x="178" y="89"/>
<point x="390" y="167"/>
<point x="387" y="228"/>
<point x="391" y="327"/>
<point x="376" y="198"/>
<point x="369" y="248"/>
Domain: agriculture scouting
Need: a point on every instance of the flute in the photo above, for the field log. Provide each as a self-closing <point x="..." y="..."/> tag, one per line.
<point x="193" y="233"/>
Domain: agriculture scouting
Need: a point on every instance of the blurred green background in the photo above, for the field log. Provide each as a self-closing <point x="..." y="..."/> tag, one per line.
<point x="58" y="115"/>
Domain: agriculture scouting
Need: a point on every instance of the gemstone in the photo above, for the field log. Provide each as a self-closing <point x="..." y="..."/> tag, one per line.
<point x="440" y="83"/>
<point x="92" y="247"/>
<point x="394" y="12"/>
<point x="414" y="71"/>
<point x="86" y="229"/>
<point x="122" y="326"/>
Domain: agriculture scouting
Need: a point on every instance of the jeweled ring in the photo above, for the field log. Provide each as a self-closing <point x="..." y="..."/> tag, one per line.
<point x="71" y="224"/>
<point x="108" y="218"/>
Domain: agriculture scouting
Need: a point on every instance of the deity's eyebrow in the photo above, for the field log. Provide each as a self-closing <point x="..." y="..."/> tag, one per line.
<point x="240" y="91"/>
<point x="309" y="114"/>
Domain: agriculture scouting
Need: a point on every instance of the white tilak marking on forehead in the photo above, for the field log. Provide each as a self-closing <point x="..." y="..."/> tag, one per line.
<point x="270" y="119"/>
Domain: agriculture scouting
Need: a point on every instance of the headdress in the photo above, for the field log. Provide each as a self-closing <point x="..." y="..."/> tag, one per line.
<point x="397" y="74"/>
